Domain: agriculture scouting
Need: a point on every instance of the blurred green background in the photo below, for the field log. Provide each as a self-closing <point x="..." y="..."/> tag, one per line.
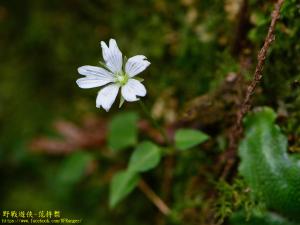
<point x="192" y="47"/>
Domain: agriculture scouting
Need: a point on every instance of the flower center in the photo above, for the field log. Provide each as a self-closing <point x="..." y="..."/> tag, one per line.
<point x="122" y="78"/>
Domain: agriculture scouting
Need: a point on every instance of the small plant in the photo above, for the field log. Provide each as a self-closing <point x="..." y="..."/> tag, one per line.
<point x="235" y="197"/>
<point x="123" y="133"/>
<point x="267" y="167"/>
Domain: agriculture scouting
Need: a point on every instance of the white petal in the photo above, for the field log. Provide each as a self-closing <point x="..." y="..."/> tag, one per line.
<point x="94" y="70"/>
<point x="136" y="64"/>
<point x="132" y="89"/>
<point x="95" y="77"/>
<point x="107" y="96"/>
<point x="90" y="82"/>
<point x="112" y="55"/>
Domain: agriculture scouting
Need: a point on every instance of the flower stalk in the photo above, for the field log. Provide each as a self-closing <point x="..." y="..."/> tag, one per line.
<point x="154" y="122"/>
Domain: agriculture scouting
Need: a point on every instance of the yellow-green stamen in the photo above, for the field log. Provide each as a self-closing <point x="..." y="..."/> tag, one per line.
<point x="122" y="78"/>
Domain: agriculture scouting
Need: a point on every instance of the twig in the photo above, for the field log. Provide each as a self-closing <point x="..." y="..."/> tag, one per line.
<point x="237" y="130"/>
<point x="156" y="200"/>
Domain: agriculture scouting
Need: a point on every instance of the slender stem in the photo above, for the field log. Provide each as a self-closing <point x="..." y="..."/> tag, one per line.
<point x="237" y="129"/>
<point x="154" y="122"/>
<point x="155" y="199"/>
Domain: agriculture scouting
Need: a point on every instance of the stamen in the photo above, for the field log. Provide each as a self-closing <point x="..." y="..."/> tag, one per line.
<point x="122" y="78"/>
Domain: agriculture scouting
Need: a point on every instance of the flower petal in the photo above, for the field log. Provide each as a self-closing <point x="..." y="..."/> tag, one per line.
<point x="95" y="77"/>
<point x="112" y="55"/>
<point x="132" y="89"/>
<point x="136" y="64"/>
<point x="107" y="96"/>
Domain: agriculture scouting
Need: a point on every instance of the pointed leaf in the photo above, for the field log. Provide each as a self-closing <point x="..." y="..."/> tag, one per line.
<point x="188" y="138"/>
<point x="122" y="184"/>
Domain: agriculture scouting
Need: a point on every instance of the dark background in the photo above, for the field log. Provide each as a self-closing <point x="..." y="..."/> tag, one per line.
<point x="192" y="45"/>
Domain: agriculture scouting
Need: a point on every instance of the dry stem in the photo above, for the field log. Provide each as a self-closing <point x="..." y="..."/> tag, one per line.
<point x="237" y="130"/>
<point x="156" y="200"/>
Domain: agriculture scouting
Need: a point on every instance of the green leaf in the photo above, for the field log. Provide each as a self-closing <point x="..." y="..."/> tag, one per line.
<point x="271" y="173"/>
<point x="123" y="131"/>
<point x="188" y="138"/>
<point x="122" y="184"/>
<point x="71" y="172"/>
<point x="145" y="157"/>
<point x="74" y="167"/>
<point x="266" y="218"/>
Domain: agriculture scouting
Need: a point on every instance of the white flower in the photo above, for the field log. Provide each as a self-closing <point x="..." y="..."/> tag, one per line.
<point x="115" y="76"/>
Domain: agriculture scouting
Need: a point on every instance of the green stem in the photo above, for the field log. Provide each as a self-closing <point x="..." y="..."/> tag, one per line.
<point x="154" y="122"/>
